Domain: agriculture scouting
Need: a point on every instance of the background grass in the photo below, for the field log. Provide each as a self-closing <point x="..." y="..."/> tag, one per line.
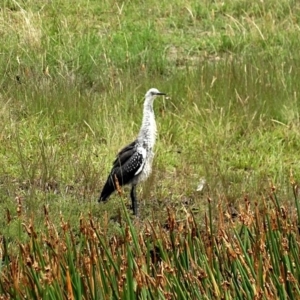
<point x="73" y="76"/>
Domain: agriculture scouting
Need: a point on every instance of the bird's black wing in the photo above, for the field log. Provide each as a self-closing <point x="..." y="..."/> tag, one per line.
<point x="124" y="154"/>
<point x="127" y="165"/>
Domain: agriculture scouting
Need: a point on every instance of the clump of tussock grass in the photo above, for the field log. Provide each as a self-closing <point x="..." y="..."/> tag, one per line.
<point x="254" y="254"/>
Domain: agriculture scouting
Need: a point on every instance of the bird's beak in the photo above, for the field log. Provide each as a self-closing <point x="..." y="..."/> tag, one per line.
<point x="160" y="93"/>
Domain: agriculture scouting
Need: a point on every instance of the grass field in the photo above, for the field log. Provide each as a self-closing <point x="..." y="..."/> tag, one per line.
<point x="73" y="77"/>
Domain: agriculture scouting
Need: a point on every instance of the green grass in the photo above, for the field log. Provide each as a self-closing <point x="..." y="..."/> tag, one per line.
<point x="73" y="76"/>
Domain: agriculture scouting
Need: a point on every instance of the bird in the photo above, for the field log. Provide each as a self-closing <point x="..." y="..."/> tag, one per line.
<point x="133" y="164"/>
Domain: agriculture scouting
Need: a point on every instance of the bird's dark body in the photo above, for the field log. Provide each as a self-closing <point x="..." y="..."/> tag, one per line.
<point x="125" y="166"/>
<point x="133" y="163"/>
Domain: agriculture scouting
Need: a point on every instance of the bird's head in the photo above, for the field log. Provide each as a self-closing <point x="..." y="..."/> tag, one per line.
<point x="152" y="93"/>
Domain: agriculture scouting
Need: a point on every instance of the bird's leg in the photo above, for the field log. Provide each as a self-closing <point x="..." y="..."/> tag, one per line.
<point x="134" y="204"/>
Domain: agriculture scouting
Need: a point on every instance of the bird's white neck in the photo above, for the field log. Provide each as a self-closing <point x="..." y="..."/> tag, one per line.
<point x="147" y="134"/>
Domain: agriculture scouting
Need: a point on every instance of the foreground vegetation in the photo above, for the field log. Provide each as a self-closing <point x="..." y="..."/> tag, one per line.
<point x="73" y="78"/>
<point x="253" y="254"/>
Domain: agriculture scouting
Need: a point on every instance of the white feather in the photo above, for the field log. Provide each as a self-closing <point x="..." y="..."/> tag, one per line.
<point x="147" y="136"/>
<point x="143" y="151"/>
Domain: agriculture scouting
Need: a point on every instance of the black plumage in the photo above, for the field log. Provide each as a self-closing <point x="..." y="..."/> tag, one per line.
<point x="125" y="167"/>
